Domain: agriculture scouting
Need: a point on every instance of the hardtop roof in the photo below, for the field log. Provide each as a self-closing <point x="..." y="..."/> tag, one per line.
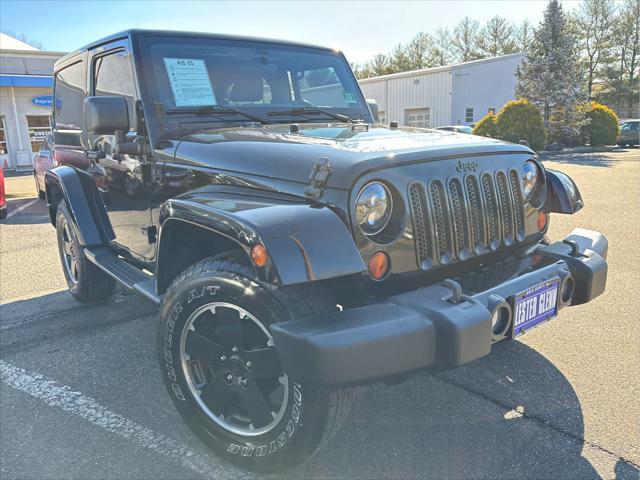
<point x="137" y="33"/>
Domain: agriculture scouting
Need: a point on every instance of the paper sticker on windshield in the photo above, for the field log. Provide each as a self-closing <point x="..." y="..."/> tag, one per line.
<point x="349" y="97"/>
<point x="190" y="82"/>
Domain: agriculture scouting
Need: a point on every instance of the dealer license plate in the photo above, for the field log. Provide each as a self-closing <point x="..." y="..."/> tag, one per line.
<point x="535" y="305"/>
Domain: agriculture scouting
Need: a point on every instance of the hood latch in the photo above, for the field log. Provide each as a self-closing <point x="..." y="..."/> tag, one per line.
<point x="320" y="173"/>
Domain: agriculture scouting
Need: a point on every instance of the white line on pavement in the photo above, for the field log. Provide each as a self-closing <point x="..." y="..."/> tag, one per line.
<point x="63" y="397"/>
<point x="21" y="207"/>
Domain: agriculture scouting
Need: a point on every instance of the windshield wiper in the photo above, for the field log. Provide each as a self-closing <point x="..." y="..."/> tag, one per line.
<point x="216" y="110"/>
<point x="302" y="111"/>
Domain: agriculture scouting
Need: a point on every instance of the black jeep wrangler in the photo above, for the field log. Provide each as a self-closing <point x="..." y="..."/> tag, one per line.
<point x="295" y="248"/>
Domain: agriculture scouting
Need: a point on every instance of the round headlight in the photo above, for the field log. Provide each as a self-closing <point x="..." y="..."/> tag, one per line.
<point x="373" y="208"/>
<point x="530" y="178"/>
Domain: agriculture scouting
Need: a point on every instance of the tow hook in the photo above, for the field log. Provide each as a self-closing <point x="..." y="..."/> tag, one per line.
<point x="575" y="249"/>
<point x="456" y="291"/>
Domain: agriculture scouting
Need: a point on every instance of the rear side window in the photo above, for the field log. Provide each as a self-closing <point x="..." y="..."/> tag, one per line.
<point x="70" y="91"/>
<point x="113" y="76"/>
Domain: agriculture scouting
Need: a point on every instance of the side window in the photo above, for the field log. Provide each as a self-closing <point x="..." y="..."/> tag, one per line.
<point x="113" y="75"/>
<point x="39" y="129"/>
<point x="323" y="87"/>
<point x="468" y="115"/>
<point x="69" y="88"/>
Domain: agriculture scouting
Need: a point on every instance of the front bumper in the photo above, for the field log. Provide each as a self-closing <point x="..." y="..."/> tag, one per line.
<point x="434" y="328"/>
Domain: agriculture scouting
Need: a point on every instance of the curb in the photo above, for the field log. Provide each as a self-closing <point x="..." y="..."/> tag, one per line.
<point x="565" y="151"/>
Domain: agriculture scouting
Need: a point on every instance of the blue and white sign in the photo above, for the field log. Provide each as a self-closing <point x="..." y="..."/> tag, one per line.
<point x="45" y="101"/>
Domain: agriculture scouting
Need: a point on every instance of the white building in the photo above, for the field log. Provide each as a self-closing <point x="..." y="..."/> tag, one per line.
<point x="26" y="79"/>
<point x="451" y="95"/>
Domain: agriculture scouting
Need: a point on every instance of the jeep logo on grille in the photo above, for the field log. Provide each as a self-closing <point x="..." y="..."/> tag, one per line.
<point x="466" y="166"/>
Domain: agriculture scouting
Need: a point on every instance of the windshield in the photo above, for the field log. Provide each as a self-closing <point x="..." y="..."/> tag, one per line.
<point x="253" y="77"/>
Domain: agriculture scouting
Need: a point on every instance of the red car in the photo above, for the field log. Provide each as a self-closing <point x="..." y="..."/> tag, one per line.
<point x="3" y="200"/>
<point x="52" y="153"/>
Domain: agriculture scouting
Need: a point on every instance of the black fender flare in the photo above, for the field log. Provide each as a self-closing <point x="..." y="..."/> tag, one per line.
<point x="77" y="188"/>
<point x="305" y="243"/>
<point x="563" y="195"/>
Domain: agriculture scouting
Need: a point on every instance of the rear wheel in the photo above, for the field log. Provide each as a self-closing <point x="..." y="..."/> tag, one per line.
<point x="222" y="369"/>
<point x="86" y="282"/>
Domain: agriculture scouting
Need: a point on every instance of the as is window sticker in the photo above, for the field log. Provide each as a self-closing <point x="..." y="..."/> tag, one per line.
<point x="190" y="82"/>
<point x="349" y="97"/>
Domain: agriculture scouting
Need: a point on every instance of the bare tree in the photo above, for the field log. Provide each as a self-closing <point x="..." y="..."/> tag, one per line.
<point x="594" y="23"/>
<point x="496" y="37"/>
<point x="442" y="54"/>
<point x="399" y="59"/>
<point x="465" y="40"/>
<point x="523" y="35"/>
<point x="361" y="70"/>
<point x="380" y="65"/>
<point x="421" y="51"/>
<point x="23" y="38"/>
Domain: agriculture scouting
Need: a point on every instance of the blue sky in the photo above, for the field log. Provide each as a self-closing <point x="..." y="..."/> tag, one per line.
<point x="360" y="28"/>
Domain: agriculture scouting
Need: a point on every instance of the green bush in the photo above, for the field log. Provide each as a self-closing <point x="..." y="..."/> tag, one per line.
<point x="486" y="127"/>
<point x="521" y="120"/>
<point x="603" y="128"/>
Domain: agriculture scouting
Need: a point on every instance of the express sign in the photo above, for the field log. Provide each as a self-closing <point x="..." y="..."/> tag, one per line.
<point x="45" y="101"/>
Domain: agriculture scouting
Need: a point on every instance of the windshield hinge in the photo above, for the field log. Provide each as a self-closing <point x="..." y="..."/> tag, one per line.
<point x="318" y="178"/>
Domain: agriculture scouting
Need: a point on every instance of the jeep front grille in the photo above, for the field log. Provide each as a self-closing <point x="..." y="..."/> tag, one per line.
<point x="459" y="218"/>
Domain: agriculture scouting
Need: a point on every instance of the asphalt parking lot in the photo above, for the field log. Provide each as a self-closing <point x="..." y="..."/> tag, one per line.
<point x="81" y="394"/>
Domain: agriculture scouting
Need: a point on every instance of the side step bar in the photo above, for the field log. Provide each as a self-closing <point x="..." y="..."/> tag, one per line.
<point x="123" y="272"/>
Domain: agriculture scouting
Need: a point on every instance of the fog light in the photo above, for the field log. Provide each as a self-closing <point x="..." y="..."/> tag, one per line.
<point x="568" y="287"/>
<point x="259" y="255"/>
<point x="543" y="219"/>
<point x="378" y="265"/>
<point x="500" y="320"/>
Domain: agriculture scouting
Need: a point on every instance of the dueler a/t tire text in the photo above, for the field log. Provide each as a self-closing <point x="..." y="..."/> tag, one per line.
<point x="207" y="377"/>
<point x="86" y="281"/>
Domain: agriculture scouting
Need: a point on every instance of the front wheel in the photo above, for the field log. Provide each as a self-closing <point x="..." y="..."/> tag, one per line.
<point x="222" y="370"/>
<point x="86" y="282"/>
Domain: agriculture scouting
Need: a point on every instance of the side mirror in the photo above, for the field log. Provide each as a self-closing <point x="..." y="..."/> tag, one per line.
<point x="105" y="115"/>
<point x="375" y="111"/>
<point x="563" y="195"/>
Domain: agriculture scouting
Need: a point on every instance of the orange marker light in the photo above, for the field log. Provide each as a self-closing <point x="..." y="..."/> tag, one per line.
<point x="543" y="218"/>
<point x="378" y="265"/>
<point x="259" y="255"/>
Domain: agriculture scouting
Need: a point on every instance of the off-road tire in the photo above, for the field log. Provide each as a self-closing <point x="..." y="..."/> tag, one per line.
<point x="312" y="415"/>
<point x="87" y="283"/>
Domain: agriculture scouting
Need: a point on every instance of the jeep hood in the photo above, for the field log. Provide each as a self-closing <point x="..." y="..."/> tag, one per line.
<point x="273" y="152"/>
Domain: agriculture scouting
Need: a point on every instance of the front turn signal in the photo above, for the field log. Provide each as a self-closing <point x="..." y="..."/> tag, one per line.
<point x="259" y="255"/>
<point x="543" y="220"/>
<point x="379" y="265"/>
